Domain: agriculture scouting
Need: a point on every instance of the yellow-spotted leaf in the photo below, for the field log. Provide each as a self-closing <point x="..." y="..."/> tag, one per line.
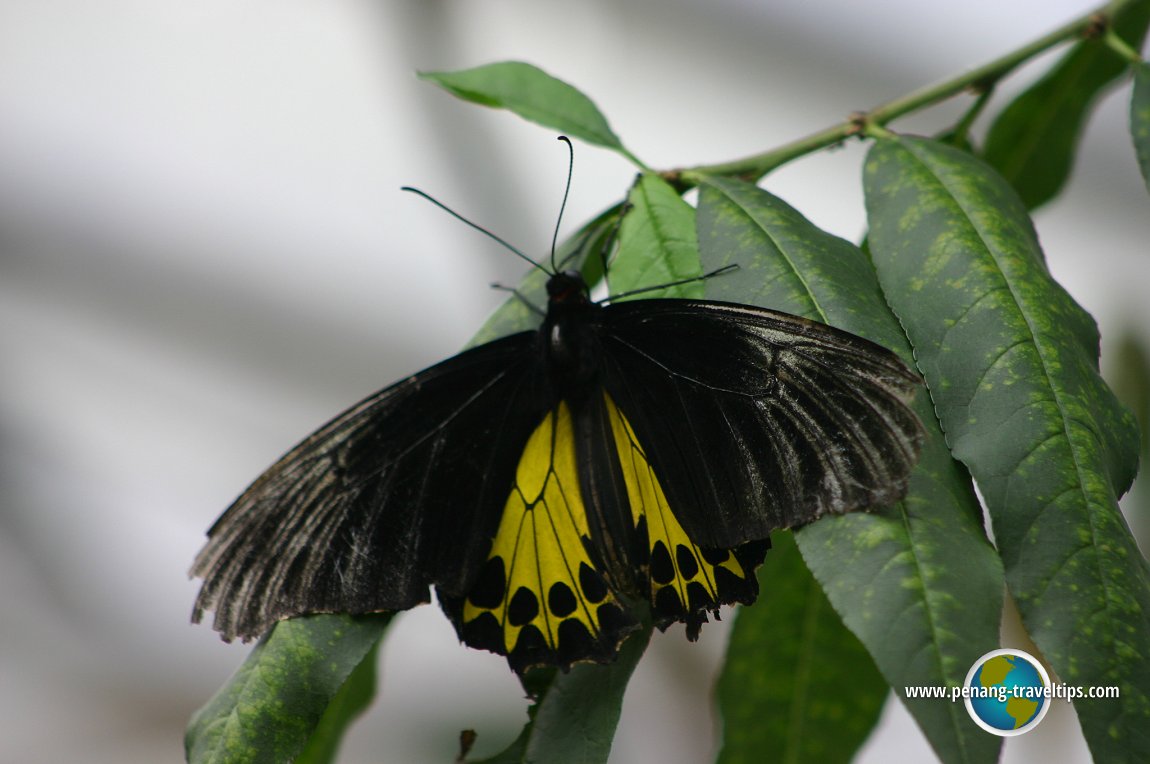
<point x="923" y="563"/>
<point x="1012" y="364"/>
<point x="289" y="694"/>
<point x="353" y="699"/>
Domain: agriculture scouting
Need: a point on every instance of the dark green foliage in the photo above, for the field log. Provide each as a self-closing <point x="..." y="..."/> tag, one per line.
<point x="1140" y="118"/>
<point x="1033" y="141"/>
<point x="1012" y="364"/>
<point x="816" y="677"/>
<point x="657" y="242"/>
<point x="924" y="563"/>
<point x="353" y="698"/>
<point x="280" y="701"/>
<point x="573" y="718"/>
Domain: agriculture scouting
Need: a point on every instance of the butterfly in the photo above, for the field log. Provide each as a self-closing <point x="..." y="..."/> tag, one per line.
<point x="628" y="459"/>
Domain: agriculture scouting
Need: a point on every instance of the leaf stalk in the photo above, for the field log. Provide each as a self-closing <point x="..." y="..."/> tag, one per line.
<point x="979" y="80"/>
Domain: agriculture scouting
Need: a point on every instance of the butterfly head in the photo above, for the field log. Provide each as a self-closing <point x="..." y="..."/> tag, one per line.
<point x="567" y="288"/>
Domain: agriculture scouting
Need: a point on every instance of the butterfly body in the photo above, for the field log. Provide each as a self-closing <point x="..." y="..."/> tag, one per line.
<point x="551" y="482"/>
<point x="568" y="338"/>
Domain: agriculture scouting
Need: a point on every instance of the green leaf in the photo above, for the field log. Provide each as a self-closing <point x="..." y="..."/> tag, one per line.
<point x="351" y="701"/>
<point x="1140" y="118"/>
<point x="574" y="718"/>
<point x="1129" y="374"/>
<point x="918" y="583"/>
<point x="1033" y="141"/>
<point x="1012" y="364"/>
<point x="657" y="242"/>
<point x="818" y="677"/>
<point x="534" y="95"/>
<point x="277" y="700"/>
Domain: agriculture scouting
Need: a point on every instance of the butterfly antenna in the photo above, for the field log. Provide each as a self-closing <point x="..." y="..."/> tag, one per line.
<point x="474" y="225"/>
<point x="566" y="192"/>
<point x="519" y="296"/>
<point x="703" y="277"/>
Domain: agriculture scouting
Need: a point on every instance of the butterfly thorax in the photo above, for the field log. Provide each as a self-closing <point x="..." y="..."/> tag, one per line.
<point x="569" y="342"/>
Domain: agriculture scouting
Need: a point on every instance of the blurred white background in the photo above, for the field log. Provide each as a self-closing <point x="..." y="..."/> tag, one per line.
<point x="204" y="254"/>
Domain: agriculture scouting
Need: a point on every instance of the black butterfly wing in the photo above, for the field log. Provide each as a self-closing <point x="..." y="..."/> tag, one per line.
<point x="756" y="420"/>
<point x="401" y="491"/>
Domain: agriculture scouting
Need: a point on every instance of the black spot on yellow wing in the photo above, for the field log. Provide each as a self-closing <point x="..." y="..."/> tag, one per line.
<point x="540" y="598"/>
<point x="686" y="581"/>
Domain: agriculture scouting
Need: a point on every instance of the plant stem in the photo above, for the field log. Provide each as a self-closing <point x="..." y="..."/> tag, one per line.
<point x="980" y="79"/>
<point x="1121" y="47"/>
<point x="962" y="128"/>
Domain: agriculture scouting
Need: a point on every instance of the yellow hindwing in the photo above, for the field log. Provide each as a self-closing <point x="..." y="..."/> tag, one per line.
<point x="540" y="598"/>
<point x="683" y="578"/>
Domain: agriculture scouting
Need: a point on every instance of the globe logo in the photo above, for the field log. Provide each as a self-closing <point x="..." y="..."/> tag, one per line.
<point x="1007" y="692"/>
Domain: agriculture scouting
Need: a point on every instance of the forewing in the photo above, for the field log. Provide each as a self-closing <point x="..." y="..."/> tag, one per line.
<point x="756" y="420"/>
<point x="399" y="492"/>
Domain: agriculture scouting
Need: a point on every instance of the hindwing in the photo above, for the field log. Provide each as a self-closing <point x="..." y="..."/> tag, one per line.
<point x="586" y="531"/>
<point x="542" y="597"/>
<point x="683" y="580"/>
